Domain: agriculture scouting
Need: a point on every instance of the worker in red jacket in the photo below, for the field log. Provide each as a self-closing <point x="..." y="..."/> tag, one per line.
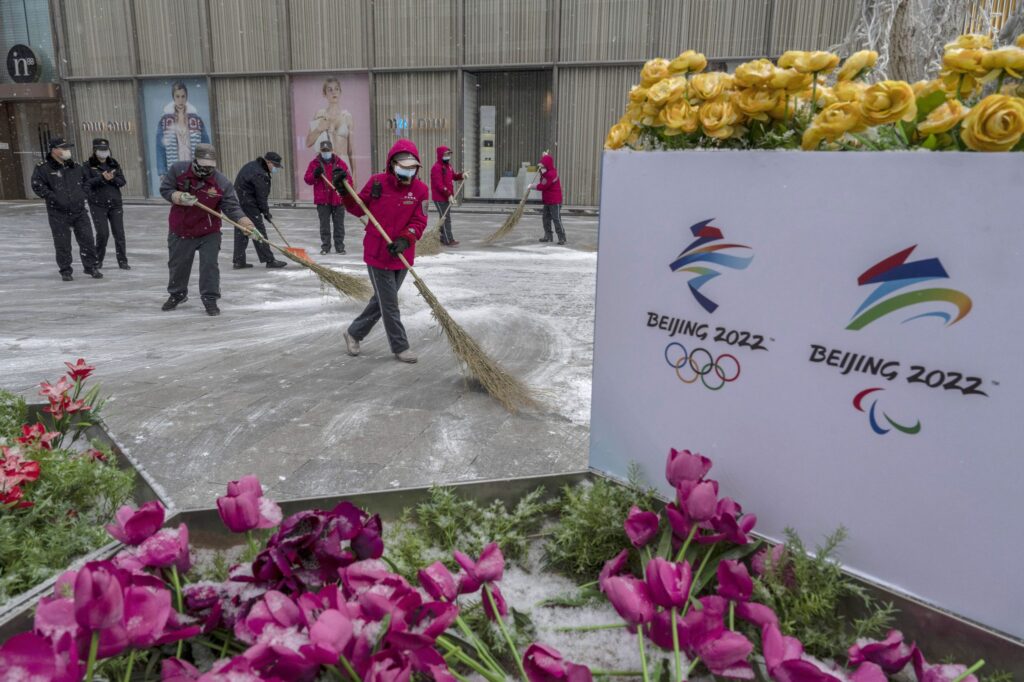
<point x="328" y="202"/>
<point x="395" y="197"/>
<point x="442" y="191"/>
<point x="550" y="187"/>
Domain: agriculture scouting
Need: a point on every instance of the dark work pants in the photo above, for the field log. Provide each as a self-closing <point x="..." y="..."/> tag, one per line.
<point x="107" y="219"/>
<point x="61" y="225"/>
<point x="553" y="214"/>
<point x="329" y="214"/>
<point x="180" y="254"/>
<point x="263" y="251"/>
<point x="384" y="303"/>
<point x="446" y="226"/>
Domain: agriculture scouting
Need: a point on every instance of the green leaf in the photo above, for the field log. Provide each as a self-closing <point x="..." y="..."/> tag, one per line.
<point x="931" y="142"/>
<point x="929" y="103"/>
<point x="581" y="597"/>
<point x="1019" y="147"/>
<point x="665" y="543"/>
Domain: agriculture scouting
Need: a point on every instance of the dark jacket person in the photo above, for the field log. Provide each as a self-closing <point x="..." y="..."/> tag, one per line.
<point x="105" y="182"/>
<point x="252" y="184"/>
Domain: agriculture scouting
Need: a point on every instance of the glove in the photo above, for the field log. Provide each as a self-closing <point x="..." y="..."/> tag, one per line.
<point x="184" y="199"/>
<point x="398" y="246"/>
<point x="248" y="228"/>
<point x="318" y="171"/>
<point x="340" y="174"/>
<point x="268" y="216"/>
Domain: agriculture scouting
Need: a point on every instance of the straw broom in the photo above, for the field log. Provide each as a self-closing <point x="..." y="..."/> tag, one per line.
<point x="346" y="285"/>
<point x="512" y="220"/>
<point x="503" y="387"/>
<point x="430" y="243"/>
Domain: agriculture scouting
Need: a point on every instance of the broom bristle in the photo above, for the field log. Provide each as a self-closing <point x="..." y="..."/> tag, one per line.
<point x="296" y="251"/>
<point x="345" y="284"/>
<point x="512" y="393"/>
<point x="510" y="222"/>
<point x="430" y="243"/>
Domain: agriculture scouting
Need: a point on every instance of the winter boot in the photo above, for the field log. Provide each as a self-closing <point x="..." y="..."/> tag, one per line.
<point x="545" y="238"/>
<point x="211" y="308"/>
<point x="407" y="356"/>
<point x="173" y="302"/>
<point x="276" y="264"/>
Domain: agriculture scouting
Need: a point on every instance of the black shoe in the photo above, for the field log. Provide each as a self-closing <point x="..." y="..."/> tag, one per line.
<point x="341" y="251"/>
<point x="561" y="242"/>
<point x="124" y="266"/>
<point x="324" y="252"/>
<point x="211" y="308"/>
<point x="276" y="264"/>
<point x="95" y="274"/>
<point x="99" y="266"/>
<point x="66" y="276"/>
<point x="173" y="302"/>
<point x="241" y="266"/>
<point x="544" y="239"/>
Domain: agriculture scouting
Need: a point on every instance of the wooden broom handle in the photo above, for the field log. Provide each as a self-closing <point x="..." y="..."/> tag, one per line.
<point x="373" y="219"/>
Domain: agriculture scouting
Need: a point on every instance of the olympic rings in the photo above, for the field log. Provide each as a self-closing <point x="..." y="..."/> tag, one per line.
<point x="688" y="362"/>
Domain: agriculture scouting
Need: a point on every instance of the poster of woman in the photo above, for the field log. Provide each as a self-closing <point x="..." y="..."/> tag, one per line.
<point x="177" y="116"/>
<point x="335" y="108"/>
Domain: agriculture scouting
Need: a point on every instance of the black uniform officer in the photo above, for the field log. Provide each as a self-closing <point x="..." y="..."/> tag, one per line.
<point x="253" y="188"/>
<point x="105" y="182"/>
<point x="62" y="183"/>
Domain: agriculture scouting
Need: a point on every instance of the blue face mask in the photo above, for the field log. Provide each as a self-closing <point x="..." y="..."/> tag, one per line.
<point x="405" y="173"/>
<point x="326" y="156"/>
<point x="274" y="170"/>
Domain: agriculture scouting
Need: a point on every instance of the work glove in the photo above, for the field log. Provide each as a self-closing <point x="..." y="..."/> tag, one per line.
<point x="185" y="199"/>
<point x="398" y="246"/>
<point x="318" y="171"/>
<point x="340" y="174"/>
<point x="268" y="216"/>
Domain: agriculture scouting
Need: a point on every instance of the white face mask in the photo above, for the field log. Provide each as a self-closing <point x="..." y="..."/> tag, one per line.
<point x="65" y="154"/>
<point x="543" y="170"/>
<point x="102" y="156"/>
<point x="405" y="173"/>
<point x="274" y="170"/>
<point x="326" y="156"/>
<point x="446" y="159"/>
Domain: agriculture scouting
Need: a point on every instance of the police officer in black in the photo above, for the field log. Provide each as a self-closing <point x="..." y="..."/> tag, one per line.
<point x="253" y="188"/>
<point x="62" y="183"/>
<point x="105" y="182"/>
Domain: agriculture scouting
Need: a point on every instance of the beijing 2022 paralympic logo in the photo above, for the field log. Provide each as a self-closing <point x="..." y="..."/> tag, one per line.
<point x="858" y="402"/>
<point x="699" y="363"/>
<point x="703" y="250"/>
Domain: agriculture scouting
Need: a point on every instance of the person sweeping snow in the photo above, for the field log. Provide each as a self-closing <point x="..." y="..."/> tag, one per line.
<point x="395" y="197"/>
<point x="442" y="191"/>
<point x="550" y="187"/>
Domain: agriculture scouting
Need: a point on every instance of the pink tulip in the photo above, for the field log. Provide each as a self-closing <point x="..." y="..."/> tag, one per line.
<point x="99" y="599"/>
<point x="422" y="625"/>
<point x="613" y="566"/>
<point x="487" y="569"/>
<point x="758" y="614"/>
<point x="734" y="581"/>
<point x="659" y="631"/>
<point x="368" y="543"/>
<point x="177" y="670"/>
<point x="926" y="672"/>
<point x="892" y="653"/>
<point x="80" y="370"/>
<point x="135" y="526"/>
<point x="245" y="508"/>
<point x="55" y="619"/>
<point x="641" y="526"/>
<point x="869" y="672"/>
<point x="668" y="582"/>
<point x="166" y="548"/>
<point x="630" y="597"/>
<point x="499" y="602"/>
<point x="328" y="637"/>
<point x="683" y="465"/>
<point x="726" y="655"/>
<point x="438" y="582"/>
<point x="698" y="500"/>
<point x="545" y="664"/>
<point x="278" y="661"/>
<point x="389" y="666"/>
<point x="29" y="657"/>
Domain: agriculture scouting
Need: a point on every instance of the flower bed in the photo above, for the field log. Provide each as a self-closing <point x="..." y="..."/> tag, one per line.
<point x="331" y="595"/>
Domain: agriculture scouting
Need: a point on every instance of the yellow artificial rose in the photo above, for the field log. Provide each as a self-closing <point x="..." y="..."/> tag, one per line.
<point x="822" y="94"/>
<point x="833" y="122"/>
<point x="887" y="102"/>
<point x="966" y="61"/>
<point x="659" y="93"/>
<point x="809" y="62"/>
<point x="688" y="62"/>
<point x="618" y="135"/>
<point x="638" y="94"/>
<point x="857" y="63"/>
<point x="970" y="41"/>
<point x="995" y="124"/>
<point x="966" y="84"/>
<point x="679" y="117"/>
<point x="943" y="118"/>
<point x="653" y="71"/>
<point x="708" y="86"/>
<point x="1008" y="59"/>
<point x="849" y="91"/>
<point x="790" y="80"/>
<point x="634" y="113"/>
<point x="925" y="88"/>
<point x="720" y="119"/>
<point x="754" y="74"/>
<point x="757" y="103"/>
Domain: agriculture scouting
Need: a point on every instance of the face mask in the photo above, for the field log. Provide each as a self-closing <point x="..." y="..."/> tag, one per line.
<point x="65" y="155"/>
<point x="326" y="156"/>
<point x="405" y="174"/>
<point x="543" y="170"/>
<point x="202" y="171"/>
<point x="446" y="159"/>
<point x="102" y="156"/>
<point x="274" y="170"/>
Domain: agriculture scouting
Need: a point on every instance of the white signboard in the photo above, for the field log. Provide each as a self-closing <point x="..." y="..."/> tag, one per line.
<point x="842" y="334"/>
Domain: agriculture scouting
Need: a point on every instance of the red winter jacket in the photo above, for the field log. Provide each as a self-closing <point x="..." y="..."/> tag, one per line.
<point x="214" y="191"/>
<point x="550" y="186"/>
<point x="442" y="187"/>
<point x="322" y="192"/>
<point x="399" y="208"/>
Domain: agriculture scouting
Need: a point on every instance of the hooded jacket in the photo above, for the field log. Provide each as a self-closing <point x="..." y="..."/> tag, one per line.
<point x="398" y="207"/>
<point x="550" y="185"/>
<point x="442" y="187"/>
<point x="322" y="192"/>
<point x="103" y="192"/>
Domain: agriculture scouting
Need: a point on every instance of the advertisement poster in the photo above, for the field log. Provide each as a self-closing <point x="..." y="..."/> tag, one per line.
<point x="839" y="338"/>
<point x="335" y="108"/>
<point x="176" y="118"/>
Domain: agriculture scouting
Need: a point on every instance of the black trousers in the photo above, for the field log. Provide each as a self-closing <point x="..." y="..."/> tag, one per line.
<point x="331" y="214"/>
<point x="62" y="225"/>
<point x="180" y="254"/>
<point x="446" y="226"/>
<point x="553" y="214"/>
<point x="384" y="303"/>
<point x="263" y="251"/>
<point x="107" y="219"/>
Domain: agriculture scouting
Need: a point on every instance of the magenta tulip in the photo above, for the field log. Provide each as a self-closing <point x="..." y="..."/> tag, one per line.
<point x="891" y="653"/>
<point x="368" y="543"/>
<point x="499" y="602"/>
<point x="758" y="614"/>
<point x="926" y="672"/>
<point x="726" y="655"/>
<point x="328" y="637"/>
<point x="698" y="500"/>
<point x="734" y="581"/>
<point x="683" y="465"/>
<point x="659" y="631"/>
<point x="422" y="625"/>
<point x="641" y="526"/>
<point x="55" y="618"/>
<point x="869" y="672"/>
<point x="30" y="657"/>
<point x="438" y="582"/>
<point x="545" y="664"/>
<point x="389" y="666"/>
<point x="487" y="569"/>
<point x="668" y="582"/>
<point x="614" y="566"/>
<point x="245" y="508"/>
<point x="177" y="670"/>
<point x="778" y="648"/>
<point x="166" y="548"/>
<point x="630" y="597"/>
<point x="99" y="597"/>
<point x="146" y="610"/>
<point x="136" y="525"/>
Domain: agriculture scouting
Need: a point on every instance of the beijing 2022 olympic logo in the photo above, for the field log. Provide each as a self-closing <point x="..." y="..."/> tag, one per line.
<point x="699" y="363"/>
<point x="704" y="250"/>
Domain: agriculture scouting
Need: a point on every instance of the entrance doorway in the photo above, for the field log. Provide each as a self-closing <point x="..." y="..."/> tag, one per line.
<point x="24" y="129"/>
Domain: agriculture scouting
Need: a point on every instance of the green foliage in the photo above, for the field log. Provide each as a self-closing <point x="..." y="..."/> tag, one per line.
<point x="589" y="531"/>
<point x="73" y="499"/>
<point x="810" y="594"/>
<point x="430" y="531"/>
<point x="997" y="676"/>
<point x="519" y="624"/>
<point x="13" y="413"/>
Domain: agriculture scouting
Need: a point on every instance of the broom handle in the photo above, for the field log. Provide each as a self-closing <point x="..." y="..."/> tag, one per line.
<point x="455" y="195"/>
<point x="254" y="234"/>
<point x="279" y="233"/>
<point x="383" y="232"/>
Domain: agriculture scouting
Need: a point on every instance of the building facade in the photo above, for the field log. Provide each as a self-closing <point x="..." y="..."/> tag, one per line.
<point x="498" y="81"/>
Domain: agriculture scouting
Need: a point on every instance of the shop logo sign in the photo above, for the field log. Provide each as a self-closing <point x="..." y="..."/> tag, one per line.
<point x="401" y="124"/>
<point x="701" y="254"/>
<point x="22" y="65"/>
<point x="872" y="412"/>
<point x="895" y="273"/>
<point x="699" y="363"/>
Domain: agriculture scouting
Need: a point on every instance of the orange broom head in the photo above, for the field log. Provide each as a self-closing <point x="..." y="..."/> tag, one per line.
<point x="297" y="252"/>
